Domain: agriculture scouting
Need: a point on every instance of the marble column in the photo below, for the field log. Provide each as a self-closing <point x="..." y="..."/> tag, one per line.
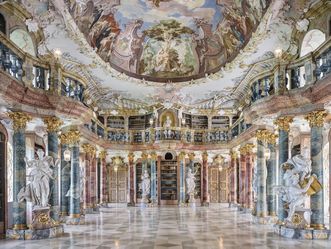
<point x="205" y="198"/>
<point x="19" y="120"/>
<point x="316" y="122"/>
<point x="249" y="175"/>
<point x="93" y="181"/>
<point x="65" y="177"/>
<point x="272" y="176"/>
<point x="261" y="203"/>
<point x="234" y="177"/>
<point x="75" y="177"/>
<point x="89" y="151"/>
<point x="104" y="178"/>
<point x="283" y="124"/>
<point x="53" y="126"/>
<point x="181" y="178"/>
<point x="242" y="170"/>
<point x="153" y="178"/>
<point x="131" y="179"/>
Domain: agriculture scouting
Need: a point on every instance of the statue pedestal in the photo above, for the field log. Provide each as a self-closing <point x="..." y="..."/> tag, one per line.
<point x="42" y="227"/>
<point x="298" y="233"/>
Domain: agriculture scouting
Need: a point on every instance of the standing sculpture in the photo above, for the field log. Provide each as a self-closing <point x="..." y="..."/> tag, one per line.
<point x="190" y="184"/>
<point x="299" y="184"/>
<point x="145" y="186"/>
<point x="37" y="190"/>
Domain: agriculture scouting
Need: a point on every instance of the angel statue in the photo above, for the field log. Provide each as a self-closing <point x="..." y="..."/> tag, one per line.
<point x="298" y="181"/>
<point x="37" y="190"/>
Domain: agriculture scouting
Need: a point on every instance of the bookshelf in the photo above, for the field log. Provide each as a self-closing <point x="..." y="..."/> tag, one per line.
<point x="197" y="169"/>
<point x="168" y="182"/>
<point x="115" y="122"/>
<point x="138" y="180"/>
<point x="199" y="122"/>
<point x="137" y="122"/>
<point x="220" y="122"/>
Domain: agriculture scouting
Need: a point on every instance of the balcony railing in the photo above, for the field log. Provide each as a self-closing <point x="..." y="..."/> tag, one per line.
<point x="10" y="62"/>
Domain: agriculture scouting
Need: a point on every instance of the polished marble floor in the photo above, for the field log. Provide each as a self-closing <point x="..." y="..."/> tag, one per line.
<point x="168" y="227"/>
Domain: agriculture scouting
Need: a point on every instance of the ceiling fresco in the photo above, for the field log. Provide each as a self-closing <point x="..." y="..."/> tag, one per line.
<point x="167" y="40"/>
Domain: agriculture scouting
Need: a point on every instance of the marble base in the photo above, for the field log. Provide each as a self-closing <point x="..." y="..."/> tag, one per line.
<point x="75" y="221"/>
<point x="265" y="220"/>
<point x="47" y="233"/>
<point x="297" y="233"/>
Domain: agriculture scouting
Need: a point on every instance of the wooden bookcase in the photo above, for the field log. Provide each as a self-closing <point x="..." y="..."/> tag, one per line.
<point x="168" y="178"/>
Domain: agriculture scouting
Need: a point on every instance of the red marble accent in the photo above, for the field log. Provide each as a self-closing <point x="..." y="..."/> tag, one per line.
<point x="242" y="180"/>
<point x="93" y="182"/>
<point x="233" y="178"/>
<point x="205" y="198"/>
<point x="131" y="175"/>
<point x="249" y="174"/>
<point x="104" y="193"/>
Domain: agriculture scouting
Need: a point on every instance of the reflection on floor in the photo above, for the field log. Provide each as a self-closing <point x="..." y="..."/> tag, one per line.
<point x="168" y="227"/>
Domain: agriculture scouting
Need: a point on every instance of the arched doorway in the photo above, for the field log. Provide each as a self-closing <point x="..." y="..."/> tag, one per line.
<point x="3" y="188"/>
<point x="118" y="178"/>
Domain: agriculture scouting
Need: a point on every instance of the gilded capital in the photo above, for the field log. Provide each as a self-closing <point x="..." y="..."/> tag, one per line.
<point x="154" y="156"/>
<point x="102" y="154"/>
<point x="71" y="137"/>
<point x="191" y="156"/>
<point x="19" y="119"/>
<point x="89" y="149"/>
<point x="53" y="124"/>
<point x="249" y="148"/>
<point x="205" y="156"/>
<point x="181" y="155"/>
<point x="316" y="118"/>
<point x="272" y="138"/>
<point x="283" y="123"/>
<point x="131" y="157"/>
<point x="144" y="156"/>
<point x="262" y="135"/>
<point x="234" y="154"/>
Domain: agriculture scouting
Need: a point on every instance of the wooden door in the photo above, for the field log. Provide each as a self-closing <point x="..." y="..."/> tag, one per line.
<point x="213" y="185"/>
<point x="223" y="186"/>
<point x="117" y="185"/>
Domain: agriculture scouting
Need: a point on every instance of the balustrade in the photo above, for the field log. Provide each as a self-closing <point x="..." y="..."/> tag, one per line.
<point x="323" y="64"/>
<point x="10" y="62"/>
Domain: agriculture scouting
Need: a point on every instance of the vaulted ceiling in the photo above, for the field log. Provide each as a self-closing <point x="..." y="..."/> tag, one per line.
<point x="193" y="53"/>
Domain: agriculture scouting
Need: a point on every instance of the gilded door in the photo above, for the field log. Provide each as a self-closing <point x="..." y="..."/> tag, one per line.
<point x="117" y="185"/>
<point x="223" y="186"/>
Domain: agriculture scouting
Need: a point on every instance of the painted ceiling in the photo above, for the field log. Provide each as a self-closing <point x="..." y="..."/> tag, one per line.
<point x="167" y="40"/>
<point x="128" y="69"/>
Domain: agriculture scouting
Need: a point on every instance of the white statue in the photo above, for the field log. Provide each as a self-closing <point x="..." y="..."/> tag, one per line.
<point x="37" y="191"/>
<point x="190" y="182"/>
<point x="167" y="123"/>
<point x="145" y="184"/>
<point x="297" y="181"/>
<point x="155" y="113"/>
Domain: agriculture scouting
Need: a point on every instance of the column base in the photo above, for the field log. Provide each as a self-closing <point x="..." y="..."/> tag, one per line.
<point x="29" y="234"/>
<point x="75" y="220"/>
<point x="298" y="233"/>
<point x="205" y="204"/>
<point x="267" y="220"/>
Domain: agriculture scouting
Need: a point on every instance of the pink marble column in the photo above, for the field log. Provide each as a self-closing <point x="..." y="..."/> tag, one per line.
<point x="104" y="186"/>
<point x="249" y="173"/>
<point x="87" y="190"/>
<point x="205" y="198"/>
<point x="131" y="179"/>
<point x="242" y="180"/>
<point x="233" y="175"/>
<point x="93" y="182"/>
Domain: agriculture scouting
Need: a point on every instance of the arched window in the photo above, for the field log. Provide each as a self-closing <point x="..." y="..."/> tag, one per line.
<point x="312" y="40"/>
<point x="23" y="40"/>
<point x="2" y="24"/>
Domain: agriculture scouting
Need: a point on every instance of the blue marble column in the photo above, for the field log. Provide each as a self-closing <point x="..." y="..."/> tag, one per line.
<point x="261" y="204"/>
<point x="316" y="121"/>
<point x="181" y="178"/>
<point x="272" y="177"/>
<point x="19" y="173"/>
<point x="283" y="124"/>
<point x="65" y="180"/>
<point x="53" y="125"/>
<point x="75" y="177"/>
<point x="153" y="178"/>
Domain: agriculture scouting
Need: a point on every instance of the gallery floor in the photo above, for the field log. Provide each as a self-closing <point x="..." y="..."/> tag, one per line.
<point x="168" y="227"/>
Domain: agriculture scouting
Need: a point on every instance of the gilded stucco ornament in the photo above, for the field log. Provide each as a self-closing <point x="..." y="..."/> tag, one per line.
<point x="262" y="135"/>
<point x="53" y="124"/>
<point x="181" y="155"/>
<point x="19" y="120"/>
<point x="153" y="156"/>
<point x="316" y="118"/>
<point x="205" y="156"/>
<point x="70" y="137"/>
<point x="283" y="123"/>
<point x="191" y="156"/>
<point x="89" y="149"/>
<point x="103" y="154"/>
<point x="234" y="154"/>
<point x="131" y="157"/>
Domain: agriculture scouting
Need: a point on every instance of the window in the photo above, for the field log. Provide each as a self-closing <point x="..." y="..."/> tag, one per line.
<point x="312" y="40"/>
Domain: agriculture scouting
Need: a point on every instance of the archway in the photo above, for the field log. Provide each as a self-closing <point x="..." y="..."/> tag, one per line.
<point x="2" y="24"/>
<point x="24" y="41"/>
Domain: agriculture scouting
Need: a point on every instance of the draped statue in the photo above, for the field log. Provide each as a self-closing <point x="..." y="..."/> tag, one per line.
<point x="145" y="184"/>
<point x="190" y="182"/>
<point x="37" y="190"/>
